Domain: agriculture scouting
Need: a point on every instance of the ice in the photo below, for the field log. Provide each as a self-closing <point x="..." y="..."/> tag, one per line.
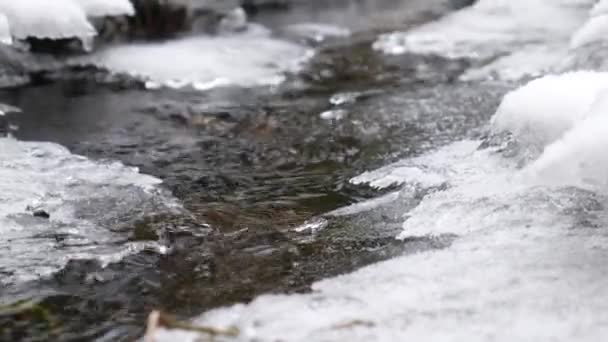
<point x="578" y="157"/>
<point x="530" y="61"/>
<point x="544" y="109"/>
<point x="5" y="31"/>
<point x="46" y="19"/>
<point x="488" y="28"/>
<point x="600" y="8"/>
<point x="102" y="8"/>
<point x="334" y="114"/>
<point x="245" y="59"/>
<point x="560" y="122"/>
<point x="87" y="201"/>
<point x="426" y="171"/>
<point x="511" y="39"/>
<point x="317" y="32"/>
<point x="529" y="258"/>
<point x="594" y="30"/>
<point x="524" y="269"/>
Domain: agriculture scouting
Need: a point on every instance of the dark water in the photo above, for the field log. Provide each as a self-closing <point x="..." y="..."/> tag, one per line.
<point x="248" y="165"/>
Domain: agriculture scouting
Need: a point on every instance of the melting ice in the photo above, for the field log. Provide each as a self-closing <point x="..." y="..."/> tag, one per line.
<point x="87" y="201"/>
<point x="248" y="58"/>
<point x="511" y="38"/>
<point x="529" y="260"/>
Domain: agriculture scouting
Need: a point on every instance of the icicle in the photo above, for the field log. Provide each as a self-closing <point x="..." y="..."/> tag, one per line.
<point x="102" y="8"/>
<point x="5" y="31"/>
<point x="54" y="19"/>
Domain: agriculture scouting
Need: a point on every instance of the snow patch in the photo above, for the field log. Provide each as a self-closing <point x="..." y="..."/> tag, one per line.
<point x="529" y="260"/>
<point x="102" y="8"/>
<point x="593" y="31"/>
<point x="46" y="19"/>
<point x="5" y="31"/>
<point x="509" y="39"/>
<point x="245" y="59"/>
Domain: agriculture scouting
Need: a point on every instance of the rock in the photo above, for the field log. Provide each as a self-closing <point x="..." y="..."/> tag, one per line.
<point x="41" y="213"/>
<point x="253" y="6"/>
<point x="162" y="19"/>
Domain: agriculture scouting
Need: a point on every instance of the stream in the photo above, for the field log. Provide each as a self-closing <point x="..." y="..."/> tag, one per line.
<point x="338" y="171"/>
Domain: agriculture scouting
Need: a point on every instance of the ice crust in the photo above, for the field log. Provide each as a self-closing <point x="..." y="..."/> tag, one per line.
<point x="46" y="19"/>
<point x="510" y="40"/>
<point x="87" y="201"/>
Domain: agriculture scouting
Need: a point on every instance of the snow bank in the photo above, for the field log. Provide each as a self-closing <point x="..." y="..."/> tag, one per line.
<point x="594" y="30"/>
<point x="5" y="31"/>
<point x="562" y="120"/>
<point x="101" y="8"/>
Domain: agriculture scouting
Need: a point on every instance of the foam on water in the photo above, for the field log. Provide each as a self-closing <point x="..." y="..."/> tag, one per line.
<point x="249" y="58"/>
<point x="529" y="260"/>
<point x="87" y="202"/>
<point x="46" y="19"/>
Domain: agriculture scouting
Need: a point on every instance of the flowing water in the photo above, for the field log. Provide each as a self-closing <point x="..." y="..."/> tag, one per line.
<point x="250" y="183"/>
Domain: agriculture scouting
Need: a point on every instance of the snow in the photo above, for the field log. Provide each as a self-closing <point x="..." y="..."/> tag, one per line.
<point x="487" y="29"/>
<point x="544" y="109"/>
<point x="518" y="272"/>
<point x="84" y="200"/>
<point x="245" y="59"/>
<point x="317" y="32"/>
<point x="594" y="30"/>
<point x="5" y="31"/>
<point x="600" y="8"/>
<point x="46" y="19"/>
<point x="101" y="8"/>
<point x="509" y="39"/>
<point x="529" y="260"/>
